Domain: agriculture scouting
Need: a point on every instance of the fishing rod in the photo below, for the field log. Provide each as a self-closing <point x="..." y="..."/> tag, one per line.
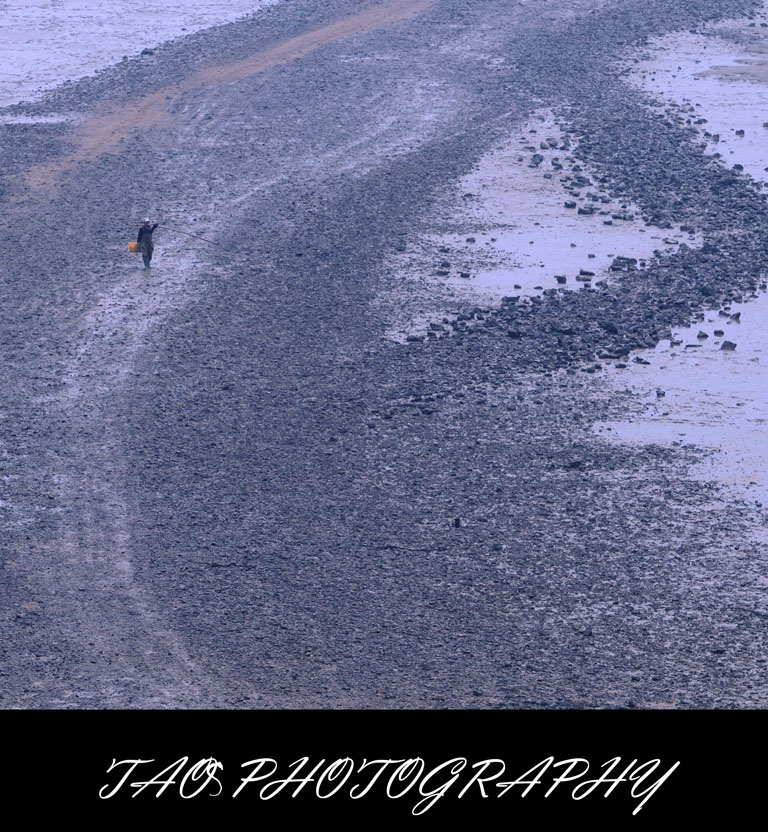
<point x="197" y="236"/>
<point x="188" y="233"/>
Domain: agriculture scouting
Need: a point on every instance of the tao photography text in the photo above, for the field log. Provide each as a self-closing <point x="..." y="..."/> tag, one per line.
<point x="411" y="780"/>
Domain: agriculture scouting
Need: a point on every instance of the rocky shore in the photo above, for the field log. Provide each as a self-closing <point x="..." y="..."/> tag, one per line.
<point x="223" y="487"/>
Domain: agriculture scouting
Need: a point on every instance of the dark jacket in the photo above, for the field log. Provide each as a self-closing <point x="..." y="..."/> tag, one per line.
<point x="143" y="231"/>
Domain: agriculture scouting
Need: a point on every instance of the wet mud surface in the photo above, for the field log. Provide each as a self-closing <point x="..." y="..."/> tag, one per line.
<point x="227" y="483"/>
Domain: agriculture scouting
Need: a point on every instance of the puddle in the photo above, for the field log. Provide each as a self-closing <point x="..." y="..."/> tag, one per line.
<point x="696" y="392"/>
<point x="34" y="119"/>
<point x="510" y="232"/>
<point x="518" y="235"/>
<point x="719" y="76"/>
<point x="45" y="42"/>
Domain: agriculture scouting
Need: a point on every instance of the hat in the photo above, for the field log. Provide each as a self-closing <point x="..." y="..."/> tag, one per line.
<point x="147" y="219"/>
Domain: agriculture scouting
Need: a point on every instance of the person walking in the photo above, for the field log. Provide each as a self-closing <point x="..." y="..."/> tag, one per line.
<point x="145" y="241"/>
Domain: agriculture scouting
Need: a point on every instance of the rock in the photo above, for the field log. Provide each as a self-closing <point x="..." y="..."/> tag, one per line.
<point x="623" y="264"/>
<point x="736" y="316"/>
<point x="702" y="334"/>
<point x="609" y="326"/>
<point x="570" y="204"/>
<point x="514" y="333"/>
<point x="728" y="345"/>
<point x="719" y="332"/>
<point x="457" y="523"/>
<point x="561" y="278"/>
<point x="147" y="51"/>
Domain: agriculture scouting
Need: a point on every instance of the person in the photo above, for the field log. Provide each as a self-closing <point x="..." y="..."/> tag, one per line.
<point x="145" y="241"/>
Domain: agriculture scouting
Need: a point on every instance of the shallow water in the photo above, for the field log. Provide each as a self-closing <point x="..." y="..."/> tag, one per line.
<point x="524" y="236"/>
<point x="724" y="83"/>
<point x="512" y="234"/>
<point x="58" y="119"/>
<point x="695" y="392"/>
<point x="46" y="42"/>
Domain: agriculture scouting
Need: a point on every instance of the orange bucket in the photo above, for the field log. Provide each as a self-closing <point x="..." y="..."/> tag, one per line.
<point x="134" y="247"/>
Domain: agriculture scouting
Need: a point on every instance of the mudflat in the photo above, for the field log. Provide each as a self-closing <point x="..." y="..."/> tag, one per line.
<point x="289" y="469"/>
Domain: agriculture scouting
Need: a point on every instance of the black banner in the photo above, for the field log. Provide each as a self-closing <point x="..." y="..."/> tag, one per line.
<point x="399" y="767"/>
